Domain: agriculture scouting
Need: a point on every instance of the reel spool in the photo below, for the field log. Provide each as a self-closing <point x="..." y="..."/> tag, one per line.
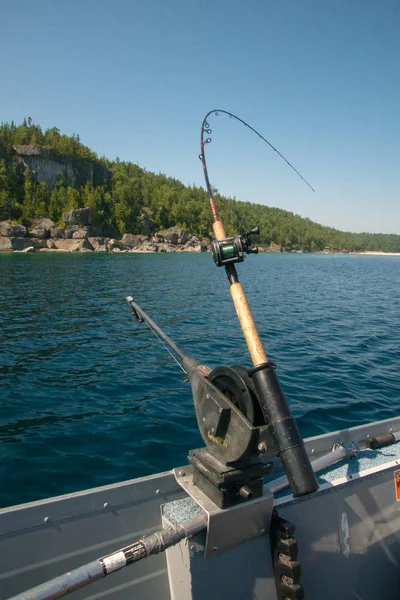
<point x="235" y="383"/>
<point x="232" y="250"/>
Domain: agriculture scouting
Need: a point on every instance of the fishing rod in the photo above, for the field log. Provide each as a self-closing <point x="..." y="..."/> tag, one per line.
<point x="227" y="251"/>
<point x="142" y="317"/>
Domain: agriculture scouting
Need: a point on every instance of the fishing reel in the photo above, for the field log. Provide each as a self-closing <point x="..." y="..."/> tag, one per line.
<point x="233" y="423"/>
<point x="232" y="250"/>
<point x="235" y="383"/>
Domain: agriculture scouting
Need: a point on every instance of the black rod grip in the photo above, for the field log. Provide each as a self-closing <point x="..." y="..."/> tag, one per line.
<point x="284" y="430"/>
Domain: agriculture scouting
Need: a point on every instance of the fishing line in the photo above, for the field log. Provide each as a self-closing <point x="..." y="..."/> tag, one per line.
<point x="166" y="347"/>
<point x="205" y="129"/>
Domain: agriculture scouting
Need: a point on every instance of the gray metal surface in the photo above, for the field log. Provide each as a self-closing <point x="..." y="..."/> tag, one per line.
<point x="41" y="540"/>
<point x="323" y="443"/>
<point x="232" y="526"/>
<point x="348" y="535"/>
<point x="241" y="573"/>
<point x="349" y="539"/>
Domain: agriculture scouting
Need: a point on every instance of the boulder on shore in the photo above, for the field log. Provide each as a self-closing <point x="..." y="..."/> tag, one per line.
<point x="39" y="243"/>
<point x="184" y="237"/>
<point x="147" y="246"/>
<point x="168" y="248"/>
<point x="40" y="232"/>
<point x="78" y="216"/>
<point x="170" y="236"/>
<point x="81" y="246"/>
<point x="12" y="229"/>
<point x="133" y="241"/>
<point x="43" y="222"/>
<point x="96" y="241"/>
<point x="173" y="235"/>
<point x="14" y="243"/>
<point x="112" y="244"/>
<point x="72" y="245"/>
<point x="57" y="232"/>
<point x="5" y="243"/>
<point x="81" y="234"/>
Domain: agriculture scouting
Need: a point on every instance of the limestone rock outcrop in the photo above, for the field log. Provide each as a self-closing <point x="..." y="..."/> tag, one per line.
<point x="49" y="166"/>
<point x="78" y="216"/>
<point x="11" y="229"/>
<point x="80" y="236"/>
<point x="133" y="241"/>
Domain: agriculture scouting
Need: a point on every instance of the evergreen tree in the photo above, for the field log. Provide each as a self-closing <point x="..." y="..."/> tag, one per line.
<point x="118" y="201"/>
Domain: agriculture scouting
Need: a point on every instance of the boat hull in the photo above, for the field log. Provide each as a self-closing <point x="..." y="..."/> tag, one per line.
<point x="348" y="533"/>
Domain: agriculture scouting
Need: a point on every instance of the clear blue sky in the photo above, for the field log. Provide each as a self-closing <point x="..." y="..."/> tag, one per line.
<point x="321" y="80"/>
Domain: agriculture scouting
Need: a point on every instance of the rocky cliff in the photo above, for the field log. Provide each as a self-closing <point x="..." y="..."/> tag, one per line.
<point x="49" y="167"/>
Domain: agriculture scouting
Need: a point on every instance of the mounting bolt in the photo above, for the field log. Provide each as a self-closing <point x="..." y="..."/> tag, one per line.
<point x="313" y="451"/>
<point x="47" y="519"/>
<point x="106" y="505"/>
<point x="262" y="447"/>
<point x="262" y="531"/>
<point x="246" y="492"/>
<point x="182" y="473"/>
<point x="215" y="548"/>
<point x="158" y="491"/>
<point x="193" y="548"/>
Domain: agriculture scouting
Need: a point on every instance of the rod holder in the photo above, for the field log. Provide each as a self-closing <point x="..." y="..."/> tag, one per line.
<point x="284" y="431"/>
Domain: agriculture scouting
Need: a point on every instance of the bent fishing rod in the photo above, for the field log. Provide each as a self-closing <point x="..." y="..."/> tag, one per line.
<point x="227" y="252"/>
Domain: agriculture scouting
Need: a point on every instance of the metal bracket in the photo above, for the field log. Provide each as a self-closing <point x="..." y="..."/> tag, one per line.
<point x="229" y="527"/>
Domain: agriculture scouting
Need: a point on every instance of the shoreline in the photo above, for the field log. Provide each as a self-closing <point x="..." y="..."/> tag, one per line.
<point x="31" y="249"/>
<point x="376" y="253"/>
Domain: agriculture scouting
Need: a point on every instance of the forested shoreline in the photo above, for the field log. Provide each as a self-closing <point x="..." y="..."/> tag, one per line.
<point x="118" y="191"/>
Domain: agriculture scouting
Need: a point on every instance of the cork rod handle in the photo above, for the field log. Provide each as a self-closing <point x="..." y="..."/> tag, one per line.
<point x="243" y="311"/>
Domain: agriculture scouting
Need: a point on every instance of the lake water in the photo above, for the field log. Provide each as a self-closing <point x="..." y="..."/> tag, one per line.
<point x="88" y="396"/>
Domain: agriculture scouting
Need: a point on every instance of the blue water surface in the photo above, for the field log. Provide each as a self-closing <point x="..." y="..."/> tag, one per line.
<point x="89" y="397"/>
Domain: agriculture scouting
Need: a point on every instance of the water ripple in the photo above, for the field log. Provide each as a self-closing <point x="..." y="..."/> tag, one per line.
<point x="89" y="397"/>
